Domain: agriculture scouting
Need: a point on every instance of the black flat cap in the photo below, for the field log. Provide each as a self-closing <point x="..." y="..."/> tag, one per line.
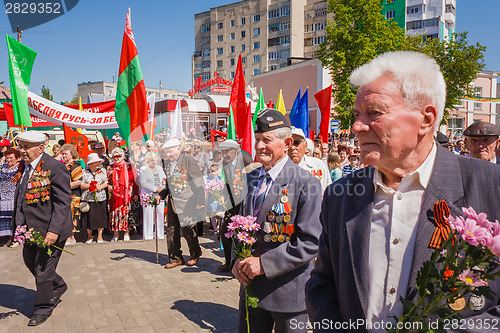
<point x="441" y="138"/>
<point x="269" y="120"/>
<point x="482" y="128"/>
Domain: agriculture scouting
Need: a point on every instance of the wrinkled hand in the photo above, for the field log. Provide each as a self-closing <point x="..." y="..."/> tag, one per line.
<point x="158" y="199"/>
<point x="50" y="238"/>
<point x="247" y="269"/>
<point x="199" y="207"/>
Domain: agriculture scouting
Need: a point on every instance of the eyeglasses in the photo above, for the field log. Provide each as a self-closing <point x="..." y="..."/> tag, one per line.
<point x="298" y="142"/>
<point x="117" y="156"/>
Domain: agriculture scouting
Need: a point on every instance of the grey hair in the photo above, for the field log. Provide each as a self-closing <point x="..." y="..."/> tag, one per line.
<point x="283" y="133"/>
<point x="119" y="151"/>
<point x="150" y="156"/>
<point x="418" y="76"/>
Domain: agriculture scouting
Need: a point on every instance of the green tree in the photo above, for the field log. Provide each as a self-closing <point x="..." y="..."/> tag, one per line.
<point x="73" y="101"/>
<point x="46" y="93"/>
<point x="359" y="32"/>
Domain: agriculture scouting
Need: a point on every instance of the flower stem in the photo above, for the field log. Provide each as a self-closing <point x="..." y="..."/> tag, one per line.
<point x="246" y="309"/>
<point x="57" y="247"/>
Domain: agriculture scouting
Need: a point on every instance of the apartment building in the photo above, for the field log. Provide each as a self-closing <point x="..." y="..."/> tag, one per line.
<point x="432" y="18"/>
<point x="269" y="34"/>
<point x="99" y="91"/>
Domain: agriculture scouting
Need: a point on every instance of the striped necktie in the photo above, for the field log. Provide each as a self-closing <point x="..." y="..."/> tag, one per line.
<point x="261" y="193"/>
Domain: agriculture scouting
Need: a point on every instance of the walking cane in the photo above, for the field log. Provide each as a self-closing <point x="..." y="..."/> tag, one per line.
<point x="156" y="231"/>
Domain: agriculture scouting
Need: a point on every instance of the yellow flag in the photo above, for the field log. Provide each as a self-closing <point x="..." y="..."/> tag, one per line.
<point x="280" y="104"/>
<point x="80" y="107"/>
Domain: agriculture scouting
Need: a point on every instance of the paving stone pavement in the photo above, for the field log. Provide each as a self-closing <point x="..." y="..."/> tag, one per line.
<point x="119" y="287"/>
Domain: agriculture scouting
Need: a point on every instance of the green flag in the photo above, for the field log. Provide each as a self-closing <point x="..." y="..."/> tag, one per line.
<point x="21" y="59"/>
<point x="260" y="106"/>
<point x="231" y="128"/>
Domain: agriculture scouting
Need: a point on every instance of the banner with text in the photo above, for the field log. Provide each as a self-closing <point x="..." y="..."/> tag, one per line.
<point x="90" y="118"/>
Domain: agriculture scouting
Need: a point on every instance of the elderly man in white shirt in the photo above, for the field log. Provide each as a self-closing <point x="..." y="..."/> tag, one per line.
<point x="378" y="222"/>
<point x="311" y="164"/>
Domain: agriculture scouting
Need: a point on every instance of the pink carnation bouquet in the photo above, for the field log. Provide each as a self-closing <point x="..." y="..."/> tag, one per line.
<point x="215" y="187"/>
<point x="459" y="270"/>
<point x="148" y="200"/>
<point x="31" y="237"/>
<point x="243" y="232"/>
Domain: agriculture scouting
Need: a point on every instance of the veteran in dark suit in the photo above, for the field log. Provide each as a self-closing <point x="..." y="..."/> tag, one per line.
<point x="42" y="202"/>
<point x="286" y="201"/>
<point x="186" y="196"/>
<point x="378" y="221"/>
<point x="234" y="162"/>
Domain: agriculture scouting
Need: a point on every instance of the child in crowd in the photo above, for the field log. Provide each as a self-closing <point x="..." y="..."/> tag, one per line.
<point x="352" y="166"/>
<point x="333" y="161"/>
<point x="213" y="207"/>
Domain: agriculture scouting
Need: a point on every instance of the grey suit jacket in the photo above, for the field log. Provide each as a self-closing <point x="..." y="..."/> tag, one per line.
<point x="338" y="288"/>
<point x="287" y="266"/>
<point x="235" y="193"/>
<point x="53" y="215"/>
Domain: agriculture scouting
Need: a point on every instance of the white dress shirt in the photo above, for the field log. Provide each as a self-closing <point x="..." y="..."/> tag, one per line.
<point x="316" y="168"/>
<point x="392" y="240"/>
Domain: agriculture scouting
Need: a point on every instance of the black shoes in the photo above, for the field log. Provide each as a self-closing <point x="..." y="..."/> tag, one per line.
<point x="37" y="319"/>
<point x="55" y="299"/>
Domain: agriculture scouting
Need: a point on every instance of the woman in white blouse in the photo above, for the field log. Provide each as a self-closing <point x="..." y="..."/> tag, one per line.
<point x="96" y="216"/>
<point x="152" y="180"/>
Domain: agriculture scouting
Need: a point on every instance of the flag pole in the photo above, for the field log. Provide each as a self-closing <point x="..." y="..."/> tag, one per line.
<point x="156" y="231"/>
<point x="12" y="135"/>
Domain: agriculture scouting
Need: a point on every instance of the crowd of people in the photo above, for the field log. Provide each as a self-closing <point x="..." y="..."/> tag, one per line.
<point x="369" y="243"/>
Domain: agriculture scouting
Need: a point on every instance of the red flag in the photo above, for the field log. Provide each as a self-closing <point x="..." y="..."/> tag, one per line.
<point x="213" y="133"/>
<point x="238" y="100"/>
<point x="270" y="105"/>
<point x="324" y="99"/>
<point x="80" y="141"/>
<point x="131" y="107"/>
<point x="246" y="139"/>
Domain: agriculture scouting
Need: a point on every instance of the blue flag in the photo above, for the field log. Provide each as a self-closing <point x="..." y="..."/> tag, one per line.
<point x="301" y="117"/>
<point x="295" y="106"/>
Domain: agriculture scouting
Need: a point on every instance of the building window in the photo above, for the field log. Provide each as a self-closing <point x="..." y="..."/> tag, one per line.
<point x="319" y="26"/>
<point x="220" y="38"/>
<point x="219" y="63"/>
<point x="243" y="34"/>
<point x="256" y="45"/>
<point x="273" y="67"/>
<point x="414" y="25"/>
<point x="478" y="93"/>
<point x="256" y="58"/>
<point x="455" y="126"/>
<point x="204" y="77"/>
<point x="274" y="55"/>
<point x="220" y="25"/>
<point x="431" y="22"/>
<point x="232" y="49"/>
<point x="231" y="23"/>
<point x="450" y="9"/>
<point x="205" y="64"/>
<point x="205" y="28"/>
<point x="285" y="11"/>
<point x="284" y="54"/>
<point x="232" y="62"/>
<point x="320" y="12"/>
<point x="256" y="71"/>
<point x="284" y="40"/>
<point x="232" y="35"/>
<point x="220" y="50"/>
<point x="206" y="52"/>
<point x="319" y="40"/>
<point x="256" y="31"/>
<point x="231" y="75"/>
<point x="415" y="9"/>
<point x="197" y="66"/>
<point x="243" y="47"/>
<point x="243" y="60"/>
<point x="390" y="14"/>
<point x="256" y="18"/>
<point x="284" y="25"/>
<point x="243" y="21"/>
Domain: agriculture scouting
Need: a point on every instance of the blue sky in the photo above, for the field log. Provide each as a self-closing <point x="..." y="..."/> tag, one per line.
<point x="85" y="43"/>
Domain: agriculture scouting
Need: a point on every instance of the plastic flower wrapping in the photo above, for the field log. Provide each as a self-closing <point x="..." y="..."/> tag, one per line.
<point x="457" y="274"/>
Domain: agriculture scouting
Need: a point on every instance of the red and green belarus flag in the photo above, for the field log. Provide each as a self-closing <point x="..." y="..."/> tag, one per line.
<point x="131" y="106"/>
